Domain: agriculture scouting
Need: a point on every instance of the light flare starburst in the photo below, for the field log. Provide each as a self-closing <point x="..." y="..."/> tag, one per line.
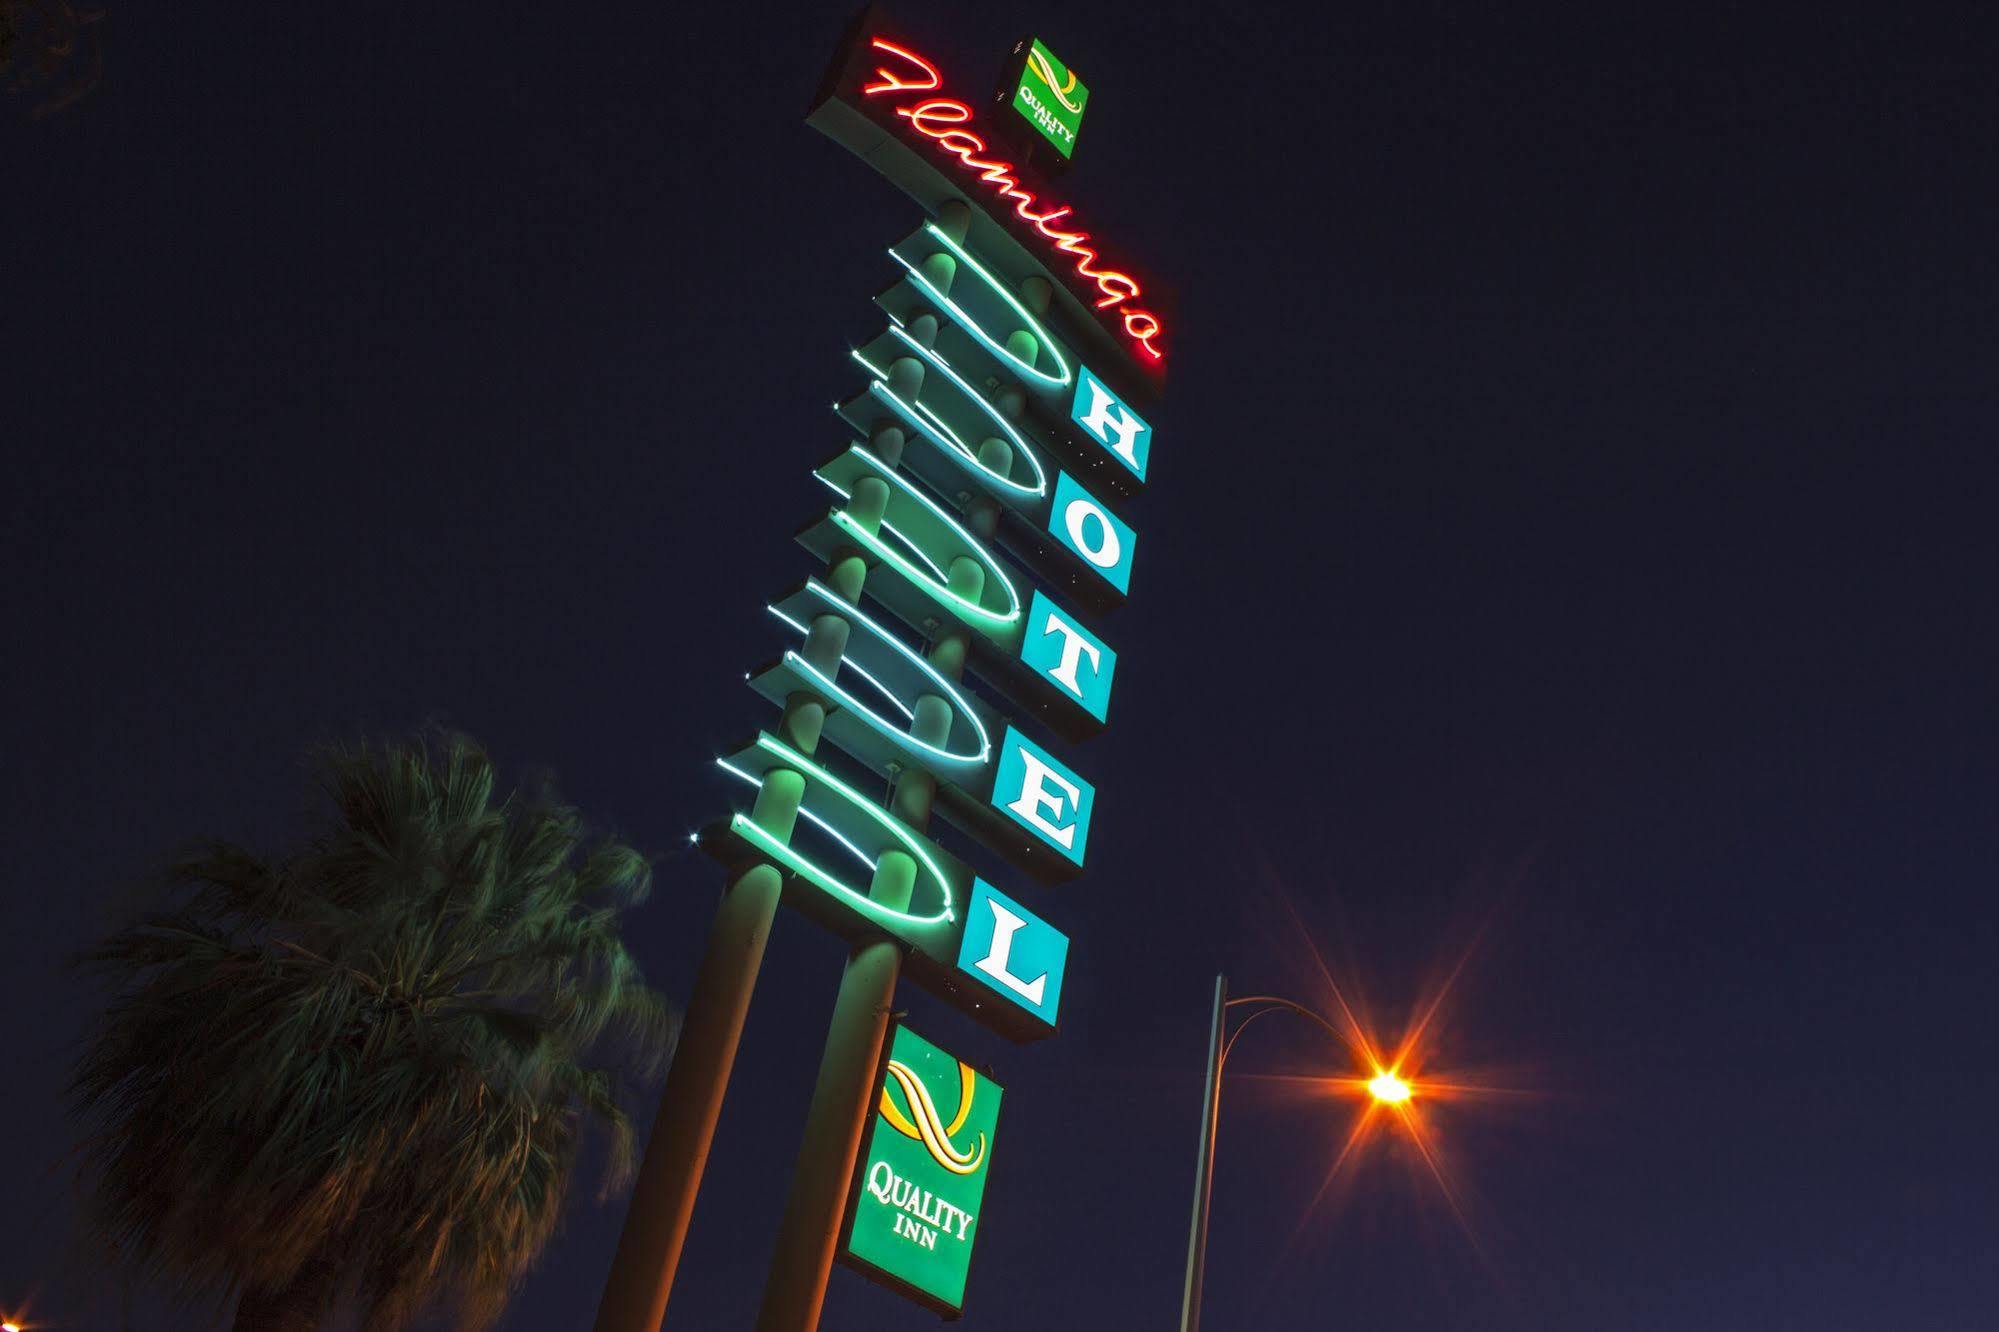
<point x="1397" y="1084"/>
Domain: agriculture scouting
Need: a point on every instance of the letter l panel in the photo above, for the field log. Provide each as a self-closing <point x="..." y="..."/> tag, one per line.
<point x="1013" y="952"/>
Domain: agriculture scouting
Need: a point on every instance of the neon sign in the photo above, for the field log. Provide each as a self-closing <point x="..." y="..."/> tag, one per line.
<point x="866" y="819"/>
<point x="903" y="84"/>
<point x="977" y="745"/>
<point x="1029" y="371"/>
<point x="920" y="524"/>
<point x="919" y="417"/>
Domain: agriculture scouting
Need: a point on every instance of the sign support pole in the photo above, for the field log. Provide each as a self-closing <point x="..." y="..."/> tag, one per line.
<point x="1204" y="1167"/>
<point x="676" y="1153"/>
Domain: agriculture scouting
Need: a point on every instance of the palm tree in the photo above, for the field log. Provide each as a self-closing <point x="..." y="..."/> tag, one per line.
<point x="358" y="1075"/>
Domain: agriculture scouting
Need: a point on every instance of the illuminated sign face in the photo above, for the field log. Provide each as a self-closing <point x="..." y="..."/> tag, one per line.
<point x="1092" y="532"/>
<point x="1105" y="418"/>
<point x="914" y="1215"/>
<point x="1042" y="795"/>
<point x="1078" y="662"/>
<point x="1019" y="955"/>
<point x="884" y="84"/>
<point x="1051" y="98"/>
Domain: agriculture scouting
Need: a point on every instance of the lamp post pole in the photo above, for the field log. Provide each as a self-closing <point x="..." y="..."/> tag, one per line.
<point x="1204" y="1166"/>
<point x="1219" y="1041"/>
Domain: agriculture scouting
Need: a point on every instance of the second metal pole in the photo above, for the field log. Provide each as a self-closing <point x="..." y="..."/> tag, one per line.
<point x="1204" y="1166"/>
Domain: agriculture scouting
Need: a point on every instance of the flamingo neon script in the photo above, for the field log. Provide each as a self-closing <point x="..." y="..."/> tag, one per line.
<point x="941" y="119"/>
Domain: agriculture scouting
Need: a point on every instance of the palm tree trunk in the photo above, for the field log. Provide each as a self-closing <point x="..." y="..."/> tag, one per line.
<point x="298" y="1307"/>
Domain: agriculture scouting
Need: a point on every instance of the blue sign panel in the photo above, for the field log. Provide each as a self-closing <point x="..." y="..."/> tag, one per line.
<point x="1065" y="652"/>
<point x="1100" y="538"/>
<point x="1016" y="953"/>
<point x="1112" y="424"/>
<point x="1043" y="796"/>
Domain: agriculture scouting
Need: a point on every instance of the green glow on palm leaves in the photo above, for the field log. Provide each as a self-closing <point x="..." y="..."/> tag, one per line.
<point x="820" y="877"/>
<point x="888" y="729"/>
<point x="963" y="320"/>
<point x="940" y="432"/>
<point x="937" y="585"/>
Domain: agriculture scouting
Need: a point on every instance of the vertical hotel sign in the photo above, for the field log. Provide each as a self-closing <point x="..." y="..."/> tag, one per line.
<point x="914" y="1210"/>
<point x="998" y="427"/>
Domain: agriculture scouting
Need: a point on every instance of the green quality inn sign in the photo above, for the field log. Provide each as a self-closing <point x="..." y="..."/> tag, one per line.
<point x="1050" y="97"/>
<point x="914" y="1209"/>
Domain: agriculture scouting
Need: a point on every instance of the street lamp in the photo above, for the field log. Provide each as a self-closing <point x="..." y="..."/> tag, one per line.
<point x="1385" y="1087"/>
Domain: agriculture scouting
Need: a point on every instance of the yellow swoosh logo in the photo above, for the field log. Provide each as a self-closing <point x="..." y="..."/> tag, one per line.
<point x="926" y="1124"/>
<point x="1041" y="67"/>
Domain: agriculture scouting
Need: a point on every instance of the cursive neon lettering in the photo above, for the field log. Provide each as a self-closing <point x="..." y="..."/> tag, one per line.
<point x="940" y="119"/>
<point x="889" y="81"/>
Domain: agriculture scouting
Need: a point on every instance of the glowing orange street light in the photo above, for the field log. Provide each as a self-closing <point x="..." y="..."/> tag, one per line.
<point x="1395" y="1083"/>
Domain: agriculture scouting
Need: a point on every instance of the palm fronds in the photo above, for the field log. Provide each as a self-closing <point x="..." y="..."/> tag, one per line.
<point x="372" y="1058"/>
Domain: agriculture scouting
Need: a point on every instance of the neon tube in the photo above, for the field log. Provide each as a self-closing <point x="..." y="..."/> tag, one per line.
<point x="950" y="692"/>
<point x="746" y="828"/>
<point x="972" y="326"/>
<point x="938" y="587"/>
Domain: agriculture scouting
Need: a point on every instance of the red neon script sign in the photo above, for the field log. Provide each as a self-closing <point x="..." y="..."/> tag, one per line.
<point x="941" y="119"/>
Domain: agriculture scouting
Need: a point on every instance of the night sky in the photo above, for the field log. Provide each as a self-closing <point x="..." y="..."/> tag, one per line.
<point x="1570" y="540"/>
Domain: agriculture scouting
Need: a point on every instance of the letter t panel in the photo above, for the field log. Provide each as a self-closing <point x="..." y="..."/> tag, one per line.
<point x="1069" y="656"/>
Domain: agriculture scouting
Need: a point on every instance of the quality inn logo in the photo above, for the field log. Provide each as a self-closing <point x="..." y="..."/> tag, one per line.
<point x="1051" y="97"/>
<point x="924" y="1124"/>
<point x="1061" y="82"/>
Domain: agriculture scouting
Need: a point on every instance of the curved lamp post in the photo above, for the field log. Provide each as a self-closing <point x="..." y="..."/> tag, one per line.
<point x="1385" y="1086"/>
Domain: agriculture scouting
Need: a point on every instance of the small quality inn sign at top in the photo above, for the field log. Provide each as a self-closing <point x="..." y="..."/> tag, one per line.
<point x="1051" y="98"/>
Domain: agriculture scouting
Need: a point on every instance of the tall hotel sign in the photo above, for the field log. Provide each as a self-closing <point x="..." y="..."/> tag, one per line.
<point x="999" y="427"/>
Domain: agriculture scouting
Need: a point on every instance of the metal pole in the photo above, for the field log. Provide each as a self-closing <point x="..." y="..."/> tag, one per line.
<point x="1204" y="1166"/>
<point x="641" y="1277"/>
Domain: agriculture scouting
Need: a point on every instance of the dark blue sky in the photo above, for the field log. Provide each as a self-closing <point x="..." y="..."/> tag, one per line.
<point x="1571" y="513"/>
